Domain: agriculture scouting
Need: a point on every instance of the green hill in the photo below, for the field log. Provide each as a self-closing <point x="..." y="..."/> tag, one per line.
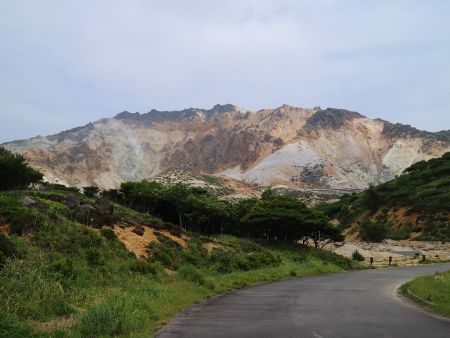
<point x="414" y="205"/>
<point x="66" y="268"/>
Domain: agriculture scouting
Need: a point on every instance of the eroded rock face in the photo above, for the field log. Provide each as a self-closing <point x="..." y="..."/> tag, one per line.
<point x="296" y="148"/>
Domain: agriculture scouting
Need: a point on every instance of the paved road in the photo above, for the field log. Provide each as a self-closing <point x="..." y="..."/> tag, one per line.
<point x="348" y="304"/>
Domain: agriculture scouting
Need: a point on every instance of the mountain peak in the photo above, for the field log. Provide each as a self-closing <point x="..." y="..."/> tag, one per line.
<point x="222" y="108"/>
<point x="290" y="146"/>
<point x="127" y="115"/>
<point x="333" y="118"/>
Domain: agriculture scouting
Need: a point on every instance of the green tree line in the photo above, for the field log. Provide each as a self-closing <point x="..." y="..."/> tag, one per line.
<point x="272" y="217"/>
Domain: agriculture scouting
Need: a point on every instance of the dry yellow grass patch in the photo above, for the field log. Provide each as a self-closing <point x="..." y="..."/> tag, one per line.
<point x="54" y="324"/>
<point x="210" y="246"/>
<point x="135" y="243"/>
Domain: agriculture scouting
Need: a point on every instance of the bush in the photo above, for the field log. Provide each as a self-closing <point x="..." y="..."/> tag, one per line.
<point x="25" y="221"/>
<point x="7" y="249"/>
<point x="221" y="261"/>
<point x="356" y="256"/>
<point x="14" y="172"/>
<point x="94" y="256"/>
<point x="373" y="231"/>
<point x="400" y="234"/>
<point x="91" y="191"/>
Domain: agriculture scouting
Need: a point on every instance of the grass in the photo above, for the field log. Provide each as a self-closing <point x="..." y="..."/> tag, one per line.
<point x="432" y="292"/>
<point x="63" y="278"/>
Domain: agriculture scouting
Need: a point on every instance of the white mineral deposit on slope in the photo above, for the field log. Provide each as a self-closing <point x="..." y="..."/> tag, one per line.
<point x="402" y="154"/>
<point x="285" y="146"/>
<point x="281" y="165"/>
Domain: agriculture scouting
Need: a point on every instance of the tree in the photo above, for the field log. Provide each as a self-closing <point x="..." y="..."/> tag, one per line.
<point x="91" y="191"/>
<point x="284" y="218"/>
<point x="15" y="173"/>
<point x="373" y="198"/>
<point x="176" y="195"/>
<point x="373" y="231"/>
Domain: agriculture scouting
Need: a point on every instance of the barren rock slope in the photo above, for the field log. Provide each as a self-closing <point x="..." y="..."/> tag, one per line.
<point x="293" y="147"/>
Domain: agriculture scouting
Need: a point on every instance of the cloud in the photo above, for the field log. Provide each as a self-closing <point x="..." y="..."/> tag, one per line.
<point x="81" y="61"/>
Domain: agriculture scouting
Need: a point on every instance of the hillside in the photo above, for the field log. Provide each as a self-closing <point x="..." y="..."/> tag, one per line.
<point x="329" y="151"/>
<point x="413" y="205"/>
<point x="75" y="266"/>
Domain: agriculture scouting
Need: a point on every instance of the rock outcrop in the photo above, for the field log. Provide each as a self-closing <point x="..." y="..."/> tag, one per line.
<point x="289" y="147"/>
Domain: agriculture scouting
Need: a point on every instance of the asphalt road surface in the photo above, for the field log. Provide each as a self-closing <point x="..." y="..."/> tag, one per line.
<point x="348" y="304"/>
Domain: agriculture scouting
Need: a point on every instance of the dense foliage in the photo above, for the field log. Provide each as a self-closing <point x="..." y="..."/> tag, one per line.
<point x="14" y="172"/>
<point x="423" y="190"/>
<point x="61" y="277"/>
<point x="91" y="191"/>
<point x="271" y="217"/>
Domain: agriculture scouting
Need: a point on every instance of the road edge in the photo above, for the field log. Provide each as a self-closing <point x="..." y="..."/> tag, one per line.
<point x="401" y="298"/>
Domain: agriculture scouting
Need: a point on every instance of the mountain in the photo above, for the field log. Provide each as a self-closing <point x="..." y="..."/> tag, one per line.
<point x="415" y="204"/>
<point x="286" y="147"/>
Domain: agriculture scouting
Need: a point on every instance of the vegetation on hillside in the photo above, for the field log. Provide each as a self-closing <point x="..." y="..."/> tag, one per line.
<point x="61" y="275"/>
<point x="271" y="217"/>
<point x="416" y="201"/>
<point x="64" y="272"/>
<point x="14" y="172"/>
<point x="430" y="291"/>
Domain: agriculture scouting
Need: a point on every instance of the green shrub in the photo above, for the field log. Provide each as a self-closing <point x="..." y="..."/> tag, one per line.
<point x="221" y="261"/>
<point x="91" y="191"/>
<point x="24" y="221"/>
<point x="373" y="231"/>
<point x="400" y="234"/>
<point x="356" y="256"/>
<point x="15" y="173"/>
<point x="7" y="249"/>
<point x="94" y="256"/>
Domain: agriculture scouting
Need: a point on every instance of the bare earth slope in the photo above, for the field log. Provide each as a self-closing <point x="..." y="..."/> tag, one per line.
<point x="298" y="148"/>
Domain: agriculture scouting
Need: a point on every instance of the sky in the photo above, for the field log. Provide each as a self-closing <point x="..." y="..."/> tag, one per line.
<point x="66" y="63"/>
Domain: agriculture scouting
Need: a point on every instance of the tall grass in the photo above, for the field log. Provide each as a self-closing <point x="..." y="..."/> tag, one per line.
<point x="61" y="269"/>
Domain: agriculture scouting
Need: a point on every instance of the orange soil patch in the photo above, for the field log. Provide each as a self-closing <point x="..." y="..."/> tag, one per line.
<point x="138" y="244"/>
<point x="330" y="171"/>
<point x="135" y="243"/>
<point x="182" y="240"/>
<point x="4" y="229"/>
<point x="242" y="188"/>
<point x="400" y="217"/>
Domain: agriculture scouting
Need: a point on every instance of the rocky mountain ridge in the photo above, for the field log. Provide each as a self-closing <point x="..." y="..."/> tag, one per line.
<point x="288" y="147"/>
